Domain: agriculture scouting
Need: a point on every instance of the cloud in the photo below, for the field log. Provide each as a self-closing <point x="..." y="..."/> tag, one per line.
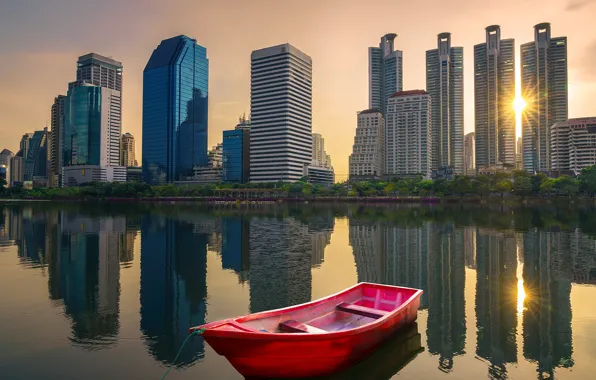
<point x="574" y="5"/>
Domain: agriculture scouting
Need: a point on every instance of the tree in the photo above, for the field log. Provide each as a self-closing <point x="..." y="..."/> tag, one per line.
<point x="587" y="180"/>
<point x="547" y="186"/>
<point x="390" y="189"/>
<point x="537" y="181"/>
<point x="425" y="187"/>
<point x="567" y="185"/>
<point x="522" y="186"/>
<point x="503" y="187"/>
<point x="461" y="185"/>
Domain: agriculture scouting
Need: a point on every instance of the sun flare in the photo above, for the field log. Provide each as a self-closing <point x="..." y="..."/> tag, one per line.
<point x="519" y="104"/>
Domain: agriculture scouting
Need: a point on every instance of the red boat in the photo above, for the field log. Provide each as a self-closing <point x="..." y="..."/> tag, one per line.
<point x="316" y="338"/>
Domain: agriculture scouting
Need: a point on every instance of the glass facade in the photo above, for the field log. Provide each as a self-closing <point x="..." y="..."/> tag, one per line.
<point x="235" y="156"/>
<point x="36" y="159"/>
<point x="175" y="84"/>
<point x="82" y="131"/>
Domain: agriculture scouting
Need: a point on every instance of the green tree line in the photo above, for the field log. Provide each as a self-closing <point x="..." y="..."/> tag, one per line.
<point x="518" y="183"/>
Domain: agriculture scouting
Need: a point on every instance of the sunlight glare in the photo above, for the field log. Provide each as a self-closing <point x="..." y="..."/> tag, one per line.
<point x="521" y="296"/>
<point x="519" y="104"/>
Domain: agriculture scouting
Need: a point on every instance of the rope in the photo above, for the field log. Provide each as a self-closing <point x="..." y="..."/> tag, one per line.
<point x="195" y="332"/>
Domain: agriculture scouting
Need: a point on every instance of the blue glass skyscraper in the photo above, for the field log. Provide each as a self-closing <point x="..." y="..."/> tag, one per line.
<point x="175" y="83"/>
<point x="236" y="156"/>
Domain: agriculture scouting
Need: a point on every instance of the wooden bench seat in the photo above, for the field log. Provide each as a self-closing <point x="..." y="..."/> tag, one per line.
<point x="292" y="326"/>
<point x="361" y="310"/>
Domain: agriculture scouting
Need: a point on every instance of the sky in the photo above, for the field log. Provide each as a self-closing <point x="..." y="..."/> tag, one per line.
<point x="40" y="41"/>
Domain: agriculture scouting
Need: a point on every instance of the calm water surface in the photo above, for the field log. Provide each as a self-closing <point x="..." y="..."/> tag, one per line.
<point x="110" y="290"/>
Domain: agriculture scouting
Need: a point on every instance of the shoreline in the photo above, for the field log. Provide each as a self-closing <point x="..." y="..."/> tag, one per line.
<point x="358" y="200"/>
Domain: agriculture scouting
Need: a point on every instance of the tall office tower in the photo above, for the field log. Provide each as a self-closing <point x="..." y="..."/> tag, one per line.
<point x="281" y="114"/>
<point x="35" y="168"/>
<point x="469" y="153"/>
<point x="56" y="143"/>
<point x="445" y="85"/>
<point x="127" y="150"/>
<point x="573" y="144"/>
<point x="92" y="126"/>
<point x="100" y="71"/>
<point x="494" y="92"/>
<point x="91" y="139"/>
<point x="544" y="88"/>
<point x="385" y="72"/>
<point x="236" y="153"/>
<point x="24" y="144"/>
<point x="175" y="84"/>
<point x="368" y="152"/>
<point x="319" y="156"/>
<point x="408" y="134"/>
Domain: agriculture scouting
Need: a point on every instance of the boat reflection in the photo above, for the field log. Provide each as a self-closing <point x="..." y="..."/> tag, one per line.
<point x="385" y="362"/>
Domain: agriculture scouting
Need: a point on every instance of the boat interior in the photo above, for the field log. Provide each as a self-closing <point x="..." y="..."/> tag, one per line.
<point x="345" y="311"/>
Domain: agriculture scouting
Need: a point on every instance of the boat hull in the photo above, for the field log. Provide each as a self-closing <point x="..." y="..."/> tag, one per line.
<point x="268" y="355"/>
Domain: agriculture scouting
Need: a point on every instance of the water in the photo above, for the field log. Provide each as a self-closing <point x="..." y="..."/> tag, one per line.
<point x="100" y="291"/>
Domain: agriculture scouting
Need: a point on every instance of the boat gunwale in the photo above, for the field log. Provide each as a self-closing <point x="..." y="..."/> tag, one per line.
<point x="211" y="328"/>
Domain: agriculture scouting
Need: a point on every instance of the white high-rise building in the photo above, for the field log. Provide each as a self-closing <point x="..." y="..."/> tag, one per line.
<point x="573" y="144"/>
<point x="319" y="156"/>
<point x="494" y="92"/>
<point x="469" y="153"/>
<point x="368" y="151"/>
<point x="281" y="114"/>
<point x="385" y="72"/>
<point x="408" y="134"/>
<point x="445" y="85"/>
<point x="544" y="88"/>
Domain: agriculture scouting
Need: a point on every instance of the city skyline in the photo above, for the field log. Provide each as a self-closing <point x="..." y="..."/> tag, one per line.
<point x="339" y="90"/>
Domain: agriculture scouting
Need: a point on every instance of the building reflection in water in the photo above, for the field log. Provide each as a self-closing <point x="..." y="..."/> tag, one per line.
<point x="281" y="253"/>
<point x="446" y="327"/>
<point x="81" y="254"/>
<point x="428" y="257"/>
<point x="496" y="299"/>
<point x="275" y="252"/>
<point x="548" y="272"/>
<point x="235" y="246"/>
<point x="173" y="286"/>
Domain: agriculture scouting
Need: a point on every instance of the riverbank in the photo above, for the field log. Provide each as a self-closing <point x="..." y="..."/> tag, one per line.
<point x="224" y="201"/>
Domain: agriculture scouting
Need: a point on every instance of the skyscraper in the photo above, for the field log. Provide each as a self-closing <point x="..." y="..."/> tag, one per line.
<point x="56" y="143"/>
<point x="281" y="114"/>
<point x="408" y="134"/>
<point x="445" y="85"/>
<point x="175" y="84"/>
<point x="319" y="156"/>
<point x="91" y="139"/>
<point x="100" y="71"/>
<point x="494" y="92"/>
<point x="236" y="155"/>
<point x="469" y="153"/>
<point x="368" y="152"/>
<point x="127" y="150"/>
<point x="36" y="160"/>
<point x="544" y="88"/>
<point x="385" y="72"/>
<point x="92" y="133"/>
<point x="24" y="144"/>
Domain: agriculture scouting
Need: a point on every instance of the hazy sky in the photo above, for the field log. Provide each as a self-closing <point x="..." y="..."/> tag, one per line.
<point x="40" y="41"/>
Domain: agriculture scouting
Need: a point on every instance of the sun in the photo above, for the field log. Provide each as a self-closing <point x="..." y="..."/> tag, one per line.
<point x="519" y="104"/>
